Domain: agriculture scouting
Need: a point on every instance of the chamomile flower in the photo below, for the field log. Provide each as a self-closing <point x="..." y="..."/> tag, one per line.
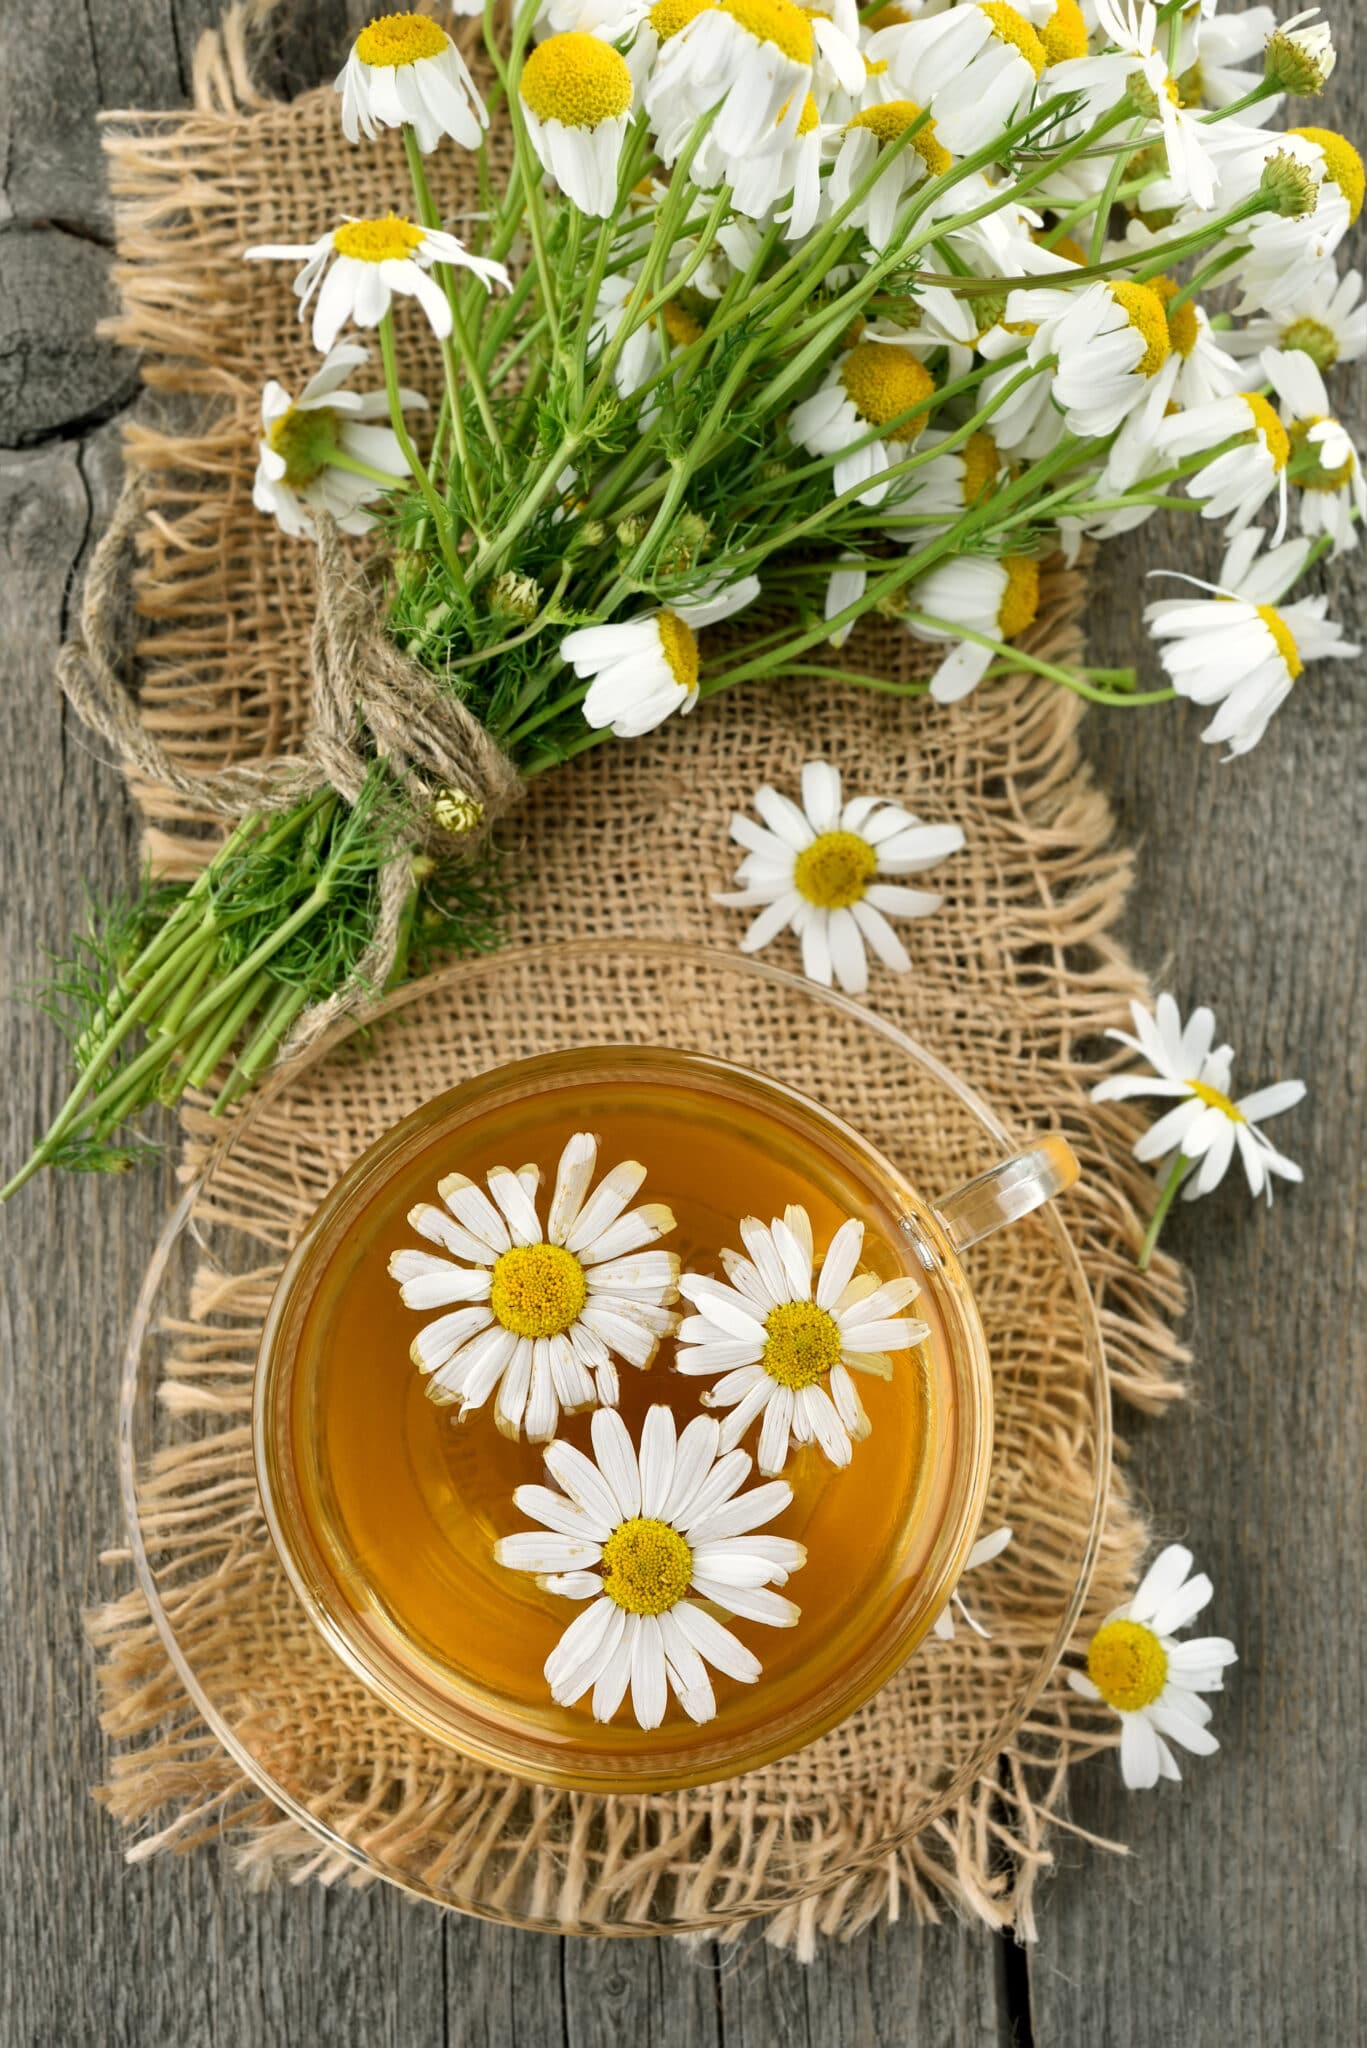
<point x="1238" y="482"/>
<point x="644" y="669"/>
<point x="654" y="1539"/>
<point x="612" y="20"/>
<point x="297" y="474"/>
<point x="1318" y="177"/>
<point x="983" y="1552"/>
<point x="785" y="1336"/>
<point x="1153" y="1681"/>
<point x="792" y="172"/>
<point x="640" y="358"/>
<point x="1199" y="369"/>
<point x="404" y="70"/>
<point x="1212" y="52"/>
<point x="856" y="414"/>
<point x="542" y="1314"/>
<point x="864" y="136"/>
<point x="1300" y="54"/>
<point x="953" y="481"/>
<point x="370" y="262"/>
<point x="818" y="870"/>
<point x="1326" y="472"/>
<point x="750" y="59"/>
<point x="1136" y="65"/>
<point x="1025" y="420"/>
<point x="976" y="67"/>
<point x="1111" y="340"/>
<point x="996" y="599"/>
<point x="1327" y="322"/>
<point x="1241" y="647"/>
<point x="576" y="96"/>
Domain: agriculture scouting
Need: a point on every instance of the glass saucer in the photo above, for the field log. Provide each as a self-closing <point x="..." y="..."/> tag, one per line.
<point x="382" y="1799"/>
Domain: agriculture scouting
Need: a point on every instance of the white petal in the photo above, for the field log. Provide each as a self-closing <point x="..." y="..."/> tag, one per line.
<point x="616" y="1456"/>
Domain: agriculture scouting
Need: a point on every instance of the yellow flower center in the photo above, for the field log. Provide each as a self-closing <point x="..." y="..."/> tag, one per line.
<point x="667" y="17"/>
<point x="1318" y="478"/>
<point x="1144" y="310"/>
<point x="1285" y="639"/>
<point x="1214" y="1098"/>
<point x="1020" y="600"/>
<point x="835" y="870"/>
<point x="1062" y="245"/>
<point x="874" y="67"/>
<point x="679" y="324"/>
<point x="809" y="117"/>
<point x="400" y="39"/>
<point x="1128" y="1665"/>
<point x="882" y="381"/>
<point x="1315" y="340"/>
<point x="1010" y="27"/>
<point x="1064" y="35"/>
<point x="1266" y="423"/>
<point x="538" y="1290"/>
<point x="981" y="464"/>
<point x="647" y="1566"/>
<point x="577" y="80"/>
<point x="377" y="241"/>
<point x="887" y="17"/>
<point x="307" y="441"/>
<point x="892" y="119"/>
<point x="775" y="21"/>
<point x="802" y="1342"/>
<point x="1183" y="327"/>
<point x="1342" y="164"/>
<point x="679" y="646"/>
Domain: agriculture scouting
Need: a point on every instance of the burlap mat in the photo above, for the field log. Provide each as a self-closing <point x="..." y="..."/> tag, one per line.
<point x="1013" y="983"/>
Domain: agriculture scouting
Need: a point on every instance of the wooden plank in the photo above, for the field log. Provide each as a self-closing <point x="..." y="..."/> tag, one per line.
<point x="890" y="1987"/>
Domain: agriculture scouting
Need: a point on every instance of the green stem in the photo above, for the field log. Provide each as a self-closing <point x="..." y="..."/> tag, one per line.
<point x="441" y="522"/>
<point x="1181" y="1166"/>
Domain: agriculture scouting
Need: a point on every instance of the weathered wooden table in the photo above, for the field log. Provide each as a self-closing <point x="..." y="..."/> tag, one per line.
<point x="1242" y="1913"/>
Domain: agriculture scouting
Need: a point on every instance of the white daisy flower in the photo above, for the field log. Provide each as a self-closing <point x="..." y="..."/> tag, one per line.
<point x="1279" y="256"/>
<point x="654" y="1540"/>
<point x="372" y="261"/>
<point x="1325" y="468"/>
<point x="750" y="59"/>
<point x="838" y="64"/>
<point x="760" y="182"/>
<point x="1327" y="322"/>
<point x="1300" y="54"/>
<point x="976" y="67"/>
<point x="404" y="70"/>
<point x="1200" y="369"/>
<point x="644" y="669"/>
<point x="612" y="20"/>
<point x="1133" y="31"/>
<point x="1212" y="52"/>
<point x="1152" y="1681"/>
<point x="1241" y="647"/>
<point x="1026" y="423"/>
<point x="1206" y="1125"/>
<point x="576" y="95"/>
<point x="866" y="390"/>
<point x="785" y="1340"/>
<point x="1237" y="483"/>
<point x="640" y="358"/>
<point x="997" y="598"/>
<point x="1110" y="339"/>
<point x="543" y="1314"/>
<point x="868" y="132"/>
<point x="305" y="439"/>
<point x="984" y="1550"/>
<point x="953" y="482"/>
<point x="817" y="871"/>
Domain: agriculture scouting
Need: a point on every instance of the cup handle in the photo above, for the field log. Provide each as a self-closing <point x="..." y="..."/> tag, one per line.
<point x="1008" y="1191"/>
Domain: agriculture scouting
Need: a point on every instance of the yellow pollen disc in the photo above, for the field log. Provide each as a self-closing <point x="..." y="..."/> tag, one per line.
<point x="1266" y="423"/>
<point x="1128" y="1665"/>
<point x="1184" y="329"/>
<point x="887" y="17"/>
<point x="647" y="1566"/>
<point x="875" y="67"/>
<point x="1064" y="35"/>
<point x="1064" y="246"/>
<point x="882" y="380"/>
<point x="809" y="117"/>
<point x="400" y="39"/>
<point x="981" y="464"/>
<point x="802" y="1341"/>
<point x="1010" y="27"/>
<point x="1144" y="310"/>
<point x="577" y="80"/>
<point x="667" y="17"/>
<point x="679" y="324"/>
<point x="1286" y="647"/>
<point x="1342" y="164"/>
<point x="305" y="441"/>
<point x="775" y="21"/>
<point x="835" y="870"/>
<point x="377" y="241"/>
<point x="538" y="1290"/>
<point x="1020" y="600"/>
<point x="892" y="119"/>
<point x="1315" y="340"/>
<point x="1213" y="1098"/>
<point x="1320" y="478"/>
<point x="679" y="645"/>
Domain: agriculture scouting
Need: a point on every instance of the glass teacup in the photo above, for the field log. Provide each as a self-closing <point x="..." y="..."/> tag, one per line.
<point x="386" y="1510"/>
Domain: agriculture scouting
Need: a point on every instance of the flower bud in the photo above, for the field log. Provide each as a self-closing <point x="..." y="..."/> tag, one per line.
<point x="1289" y="185"/>
<point x="456" y="811"/>
<point x="515" y="597"/>
<point x="1300" y="60"/>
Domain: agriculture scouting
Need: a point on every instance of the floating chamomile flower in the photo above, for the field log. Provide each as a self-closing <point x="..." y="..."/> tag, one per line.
<point x="983" y="1552"/>
<point x="785" y="1341"/>
<point x="372" y="261"/>
<point x="1238" y="482"/>
<point x="994" y="599"/>
<point x="405" y="71"/>
<point x="856" y="415"/>
<point x="306" y="440"/>
<point x="644" y="669"/>
<point x="544" y="1313"/>
<point x="751" y="60"/>
<point x="1110" y="339"/>
<point x="868" y="132"/>
<point x="576" y="96"/>
<point x="1325" y="469"/>
<point x="818" y="871"/>
<point x="645" y="1537"/>
<point x="976" y="67"/>
<point x="1328" y="323"/>
<point x="1136" y="1665"/>
<point x="1241" y="646"/>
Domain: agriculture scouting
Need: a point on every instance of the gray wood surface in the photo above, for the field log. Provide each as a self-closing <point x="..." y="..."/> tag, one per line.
<point x="1242" y="1913"/>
